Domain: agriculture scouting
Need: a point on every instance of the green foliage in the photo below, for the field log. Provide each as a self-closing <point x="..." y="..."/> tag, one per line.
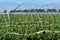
<point x="29" y="24"/>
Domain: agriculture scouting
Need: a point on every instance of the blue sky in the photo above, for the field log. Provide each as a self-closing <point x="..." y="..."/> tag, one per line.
<point x="28" y="4"/>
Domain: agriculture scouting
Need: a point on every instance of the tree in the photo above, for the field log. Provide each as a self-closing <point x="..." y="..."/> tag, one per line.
<point x="54" y="10"/>
<point x="5" y="11"/>
<point x="51" y="10"/>
<point x="37" y="10"/>
<point x="41" y="10"/>
<point x="32" y="10"/>
<point x="12" y="11"/>
<point x="59" y="10"/>
<point x="25" y="10"/>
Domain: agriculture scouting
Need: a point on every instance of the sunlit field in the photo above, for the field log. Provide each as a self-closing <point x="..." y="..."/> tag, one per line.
<point x="30" y="26"/>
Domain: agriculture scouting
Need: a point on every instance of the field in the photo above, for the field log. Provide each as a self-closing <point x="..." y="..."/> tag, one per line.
<point x="30" y="27"/>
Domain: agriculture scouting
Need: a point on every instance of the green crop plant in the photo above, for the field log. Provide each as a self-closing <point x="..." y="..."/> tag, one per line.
<point x="30" y="27"/>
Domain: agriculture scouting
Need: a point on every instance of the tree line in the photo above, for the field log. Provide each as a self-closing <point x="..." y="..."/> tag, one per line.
<point x="34" y="10"/>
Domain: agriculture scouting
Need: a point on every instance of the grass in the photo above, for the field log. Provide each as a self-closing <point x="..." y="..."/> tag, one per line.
<point x="30" y="24"/>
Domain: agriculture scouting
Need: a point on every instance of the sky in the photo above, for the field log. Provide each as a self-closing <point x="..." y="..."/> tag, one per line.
<point x="28" y="4"/>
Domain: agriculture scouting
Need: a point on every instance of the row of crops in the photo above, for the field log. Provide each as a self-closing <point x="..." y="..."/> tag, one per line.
<point x="30" y="27"/>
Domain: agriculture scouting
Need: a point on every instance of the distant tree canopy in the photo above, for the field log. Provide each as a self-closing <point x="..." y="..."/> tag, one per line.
<point x="51" y="10"/>
<point x="5" y="11"/>
<point x="59" y="10"/>
<point x="35" y="10"/>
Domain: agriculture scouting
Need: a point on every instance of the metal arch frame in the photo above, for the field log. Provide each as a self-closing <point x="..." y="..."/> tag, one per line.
<point x="48" y="5"/>
<point x="20" y="5"/>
